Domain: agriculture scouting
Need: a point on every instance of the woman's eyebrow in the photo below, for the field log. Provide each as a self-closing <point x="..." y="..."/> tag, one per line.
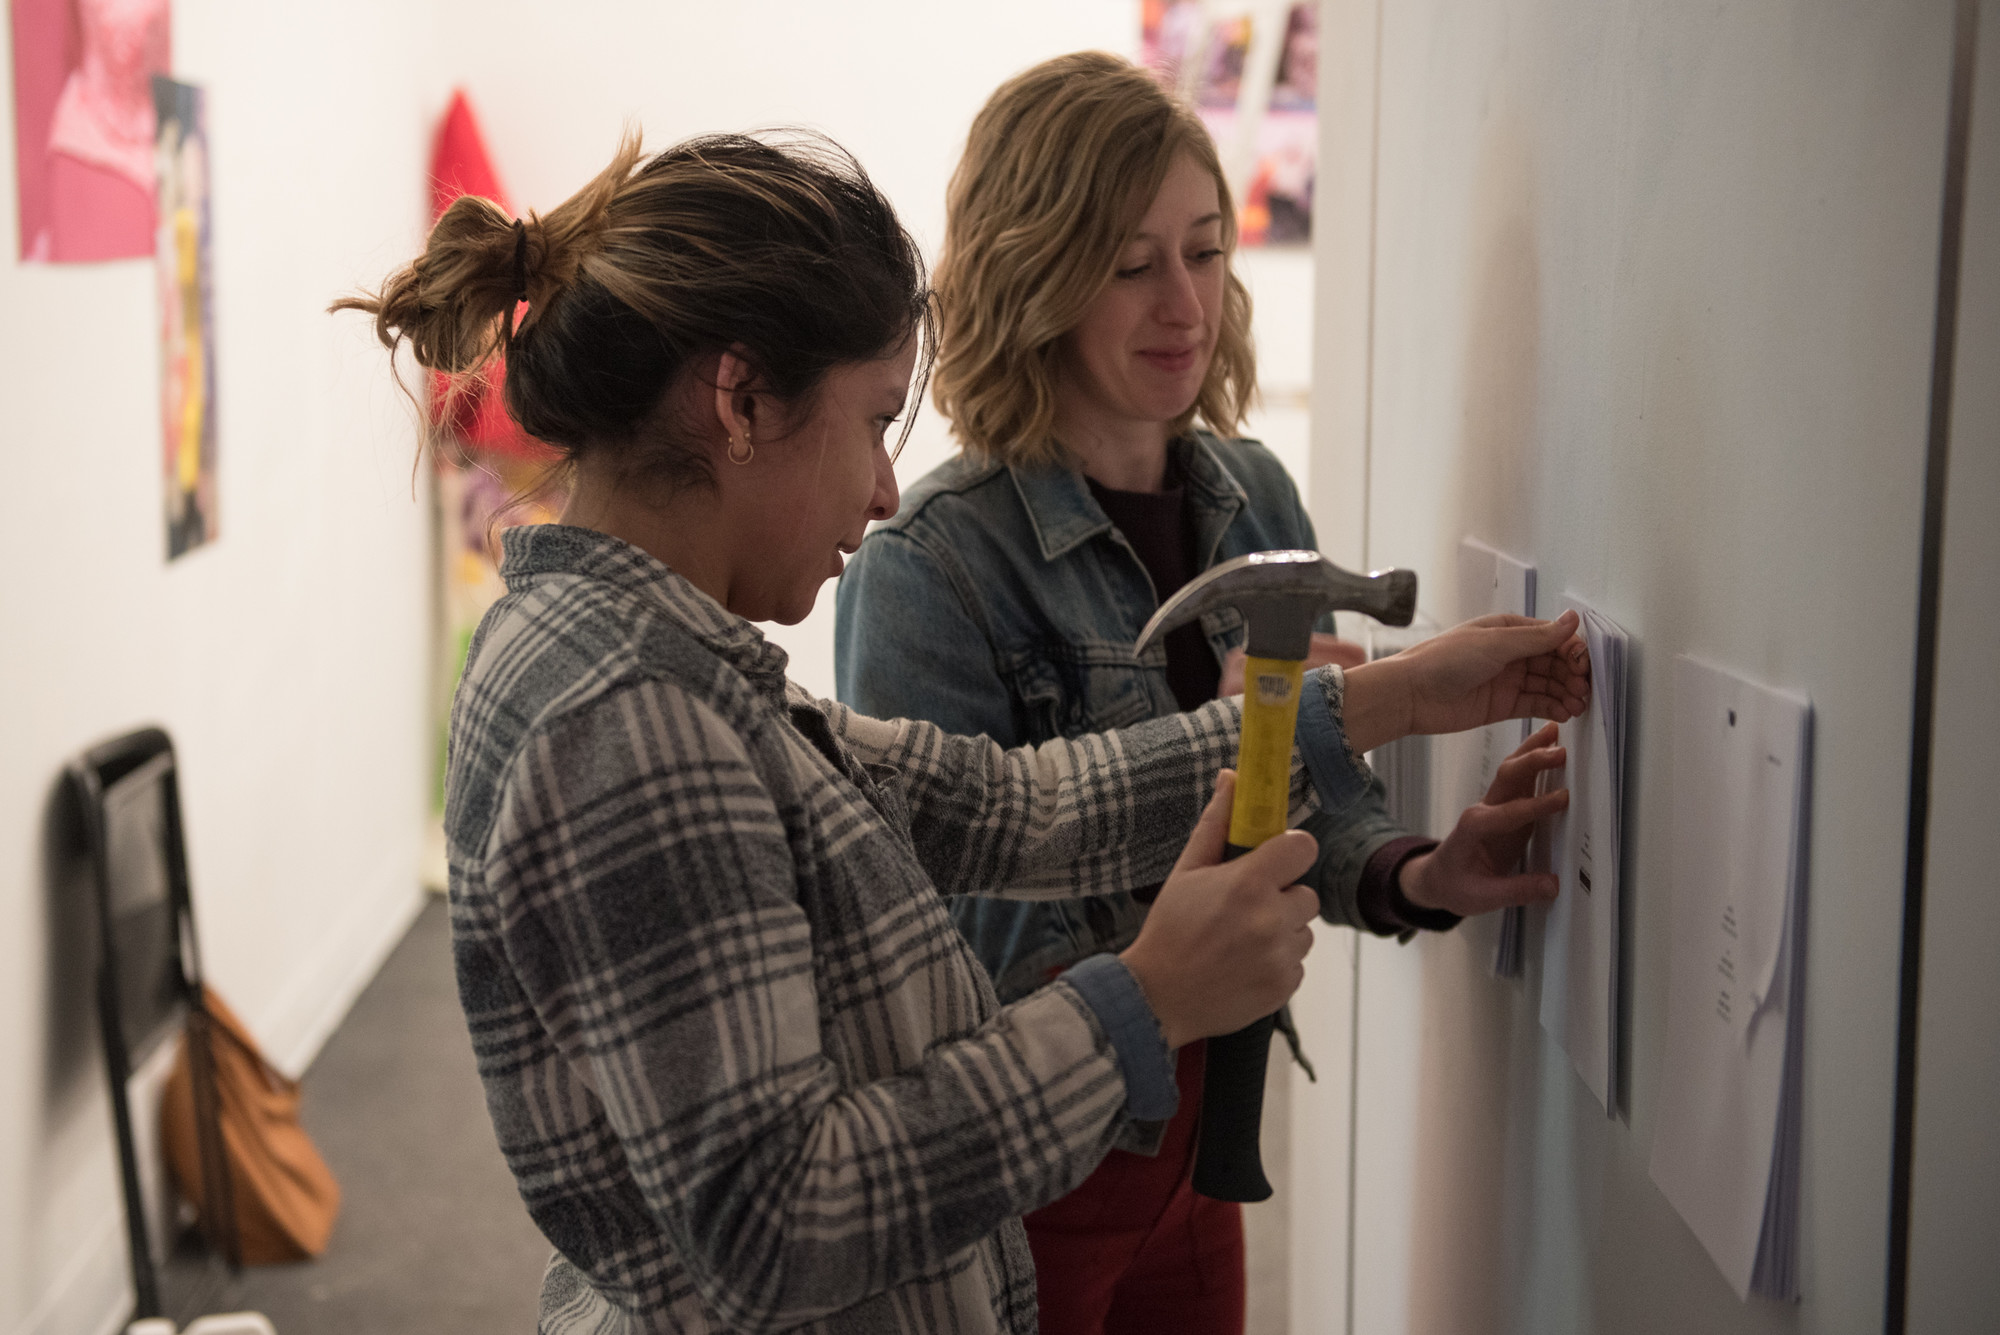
<point x="1202" y="221"/>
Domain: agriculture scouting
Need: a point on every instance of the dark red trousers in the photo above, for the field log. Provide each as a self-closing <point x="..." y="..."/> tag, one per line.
<point x="1133" y="1250"/>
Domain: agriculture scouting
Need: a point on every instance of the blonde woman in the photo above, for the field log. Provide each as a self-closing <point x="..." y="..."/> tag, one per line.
<point x="1095" y="361"/>
<point x="737" y="1058"/>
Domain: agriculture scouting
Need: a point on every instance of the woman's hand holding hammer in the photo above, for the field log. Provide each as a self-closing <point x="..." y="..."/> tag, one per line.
<point x="1225" y="943"/>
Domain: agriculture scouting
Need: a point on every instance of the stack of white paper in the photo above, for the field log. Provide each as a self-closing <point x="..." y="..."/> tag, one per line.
<point x="1727" y="1149"/>
<point x="1580" y="936"/>
<point x="1488" y="581"/>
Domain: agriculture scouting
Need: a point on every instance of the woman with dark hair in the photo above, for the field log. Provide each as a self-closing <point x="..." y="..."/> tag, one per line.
<point x="744" y="1071"/>
<point x="1095" y="363"/>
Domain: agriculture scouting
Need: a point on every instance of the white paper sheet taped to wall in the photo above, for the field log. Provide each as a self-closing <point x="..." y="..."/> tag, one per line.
<point x="1584" y="849"/>
<point x="1726" y="1151"/>
<point x="1488" y="581"/>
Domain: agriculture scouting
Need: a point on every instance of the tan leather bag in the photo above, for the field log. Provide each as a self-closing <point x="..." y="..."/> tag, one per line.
<point x="285" y="1196"/>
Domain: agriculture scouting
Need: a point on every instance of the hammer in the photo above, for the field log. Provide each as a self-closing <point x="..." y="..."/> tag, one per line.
<point x="1280" y="595"/>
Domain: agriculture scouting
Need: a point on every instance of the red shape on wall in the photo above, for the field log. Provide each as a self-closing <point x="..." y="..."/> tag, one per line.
<point x="460" y="165"/>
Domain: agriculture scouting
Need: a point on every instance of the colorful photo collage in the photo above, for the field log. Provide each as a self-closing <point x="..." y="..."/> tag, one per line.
<point x="1251" y="70"/>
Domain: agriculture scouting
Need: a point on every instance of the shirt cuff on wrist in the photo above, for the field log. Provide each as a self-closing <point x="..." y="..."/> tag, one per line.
<point x="1384" y="906"/>
<point x="1110" y="990"/>
<point x="1338" y="775"/>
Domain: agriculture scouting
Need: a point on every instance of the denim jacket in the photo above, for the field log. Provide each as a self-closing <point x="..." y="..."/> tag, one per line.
<point x="1002" y="600"/>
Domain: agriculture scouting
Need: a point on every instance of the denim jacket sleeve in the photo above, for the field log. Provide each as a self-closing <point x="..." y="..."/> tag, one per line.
<point x="1348" y="838"/>
<point x="1351" y="835"/>
<point x="960" y="688"/>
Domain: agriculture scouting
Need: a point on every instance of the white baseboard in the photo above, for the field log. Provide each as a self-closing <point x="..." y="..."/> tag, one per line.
<point x="93" y="1294"/>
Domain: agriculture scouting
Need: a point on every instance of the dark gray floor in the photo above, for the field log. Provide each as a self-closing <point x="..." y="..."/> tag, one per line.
<point x="432" y="1237"/>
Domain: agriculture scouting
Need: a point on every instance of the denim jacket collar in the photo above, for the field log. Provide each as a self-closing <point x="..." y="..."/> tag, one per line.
<point x="1065" y="514"/>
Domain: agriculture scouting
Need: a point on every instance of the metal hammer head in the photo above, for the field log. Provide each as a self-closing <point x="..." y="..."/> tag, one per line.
<point x="1280" y="595"/>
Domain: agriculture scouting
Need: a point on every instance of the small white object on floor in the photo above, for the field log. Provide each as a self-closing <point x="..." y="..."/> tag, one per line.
<point x="225" y="1323"/>
<point x="231" y="1323"/>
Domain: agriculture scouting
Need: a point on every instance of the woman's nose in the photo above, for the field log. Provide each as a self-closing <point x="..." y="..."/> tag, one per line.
<point x="887" y="498"/>
<point x="1179" y="304"/>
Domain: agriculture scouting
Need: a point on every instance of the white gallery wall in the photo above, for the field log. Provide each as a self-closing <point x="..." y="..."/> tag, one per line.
<point x="285" y="658"/>
<point x="1641" y="293"/>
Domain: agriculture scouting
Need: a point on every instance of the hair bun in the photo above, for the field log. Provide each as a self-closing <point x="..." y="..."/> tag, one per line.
<point x="779" y="248"/>
<point x="448" y="302"/>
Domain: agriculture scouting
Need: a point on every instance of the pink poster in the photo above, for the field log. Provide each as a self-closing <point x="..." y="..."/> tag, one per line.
<point x="84" y="125"/>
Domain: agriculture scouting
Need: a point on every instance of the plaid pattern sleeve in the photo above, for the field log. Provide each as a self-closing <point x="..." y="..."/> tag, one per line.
<point x="1108" y="811"/>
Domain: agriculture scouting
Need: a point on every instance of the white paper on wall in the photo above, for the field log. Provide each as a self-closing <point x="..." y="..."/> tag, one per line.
<point x="1488" y="581"/>
<point x="1580" y="933"/>
<point x="1726" y="1151"/>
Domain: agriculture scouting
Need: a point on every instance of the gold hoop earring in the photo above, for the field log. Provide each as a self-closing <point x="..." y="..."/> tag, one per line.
<point x="749" y="450"/>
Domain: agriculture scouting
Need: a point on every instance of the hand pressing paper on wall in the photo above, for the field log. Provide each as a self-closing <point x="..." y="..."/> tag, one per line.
<point x="1488" y="581"/>
<point x="1727" y="1148"/>
<point x="1583" y="848"/>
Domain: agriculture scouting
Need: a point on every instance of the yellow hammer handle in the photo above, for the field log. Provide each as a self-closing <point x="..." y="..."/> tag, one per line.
<point x="1264" y="758"/>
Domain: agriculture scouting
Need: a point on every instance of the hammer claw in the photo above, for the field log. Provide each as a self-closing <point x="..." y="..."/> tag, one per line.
<point x="1281" y="594"/>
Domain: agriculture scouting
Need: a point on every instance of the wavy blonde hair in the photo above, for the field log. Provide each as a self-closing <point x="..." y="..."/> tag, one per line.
<point x="1061" y="164"/>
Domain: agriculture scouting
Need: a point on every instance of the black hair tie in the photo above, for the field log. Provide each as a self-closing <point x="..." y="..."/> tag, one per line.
<point x="520" y="277"/>
<point x="520" y="260"/>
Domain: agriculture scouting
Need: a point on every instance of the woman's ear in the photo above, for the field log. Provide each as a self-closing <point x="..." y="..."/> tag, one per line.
<point x="736" y="400"/>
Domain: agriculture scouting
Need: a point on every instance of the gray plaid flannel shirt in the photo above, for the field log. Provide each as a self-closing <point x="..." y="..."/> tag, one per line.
<point x="747" y="1074"/>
